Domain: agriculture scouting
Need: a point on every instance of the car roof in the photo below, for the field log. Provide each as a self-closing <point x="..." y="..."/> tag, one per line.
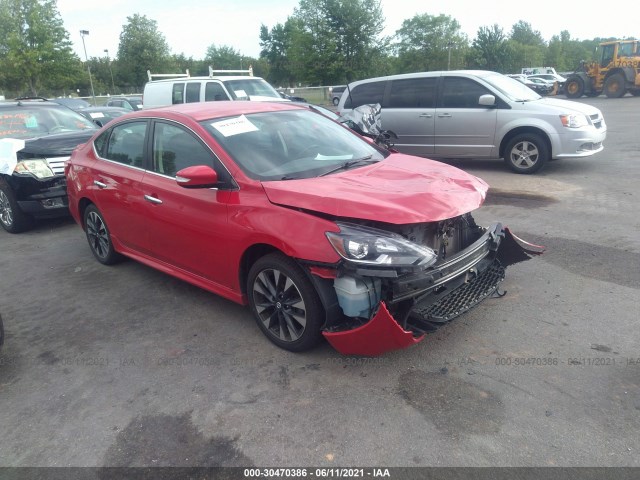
<point x="200" y="111"/>
<point x="439" y="73"/>
<point x="39" y="102"/>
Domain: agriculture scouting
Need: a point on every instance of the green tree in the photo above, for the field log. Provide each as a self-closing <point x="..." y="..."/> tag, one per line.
<point x="335" y="40"/>
<point x="35" y="50"/>
<point x="427" y="42"/>
<point x="527" y="47"/>
<point x="275" y="44"/>
<point x="142" y="47"/>
<point x="226" y="58"/>
<point x="490" y="50"/>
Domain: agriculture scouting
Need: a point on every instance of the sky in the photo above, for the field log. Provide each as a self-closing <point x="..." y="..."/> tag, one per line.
<point x="191" y="26"/>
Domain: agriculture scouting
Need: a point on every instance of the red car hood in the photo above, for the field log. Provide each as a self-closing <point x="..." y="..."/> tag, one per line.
<point x="401" y="189"/>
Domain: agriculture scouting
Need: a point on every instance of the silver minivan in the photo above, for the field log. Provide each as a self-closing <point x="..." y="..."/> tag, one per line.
<point x="479" y="114"/>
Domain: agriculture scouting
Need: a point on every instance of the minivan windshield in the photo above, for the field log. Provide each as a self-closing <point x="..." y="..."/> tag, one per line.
<point x="290" y="144"/>
<point x="513" y="89"/>
<point x="246" y="87"/>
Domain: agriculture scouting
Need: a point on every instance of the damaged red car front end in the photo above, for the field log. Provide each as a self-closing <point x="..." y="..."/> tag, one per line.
<point x="425" y="301"/>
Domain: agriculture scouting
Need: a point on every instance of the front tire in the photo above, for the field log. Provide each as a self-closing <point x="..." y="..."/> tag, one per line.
<point x="526" y="153"/>
<point x="285" y="303"/>
<point x="614" y="86"/>
<point x="574" y="87"/>
<point x="99" y="237"/>
<point x="12" y="218"/>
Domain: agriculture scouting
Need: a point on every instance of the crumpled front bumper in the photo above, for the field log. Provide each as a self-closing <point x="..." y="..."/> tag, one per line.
<point x="428" y="299"/>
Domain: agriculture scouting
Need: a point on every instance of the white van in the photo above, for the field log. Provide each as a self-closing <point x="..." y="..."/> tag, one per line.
<point x="479" y="114"/>
<point x="186" y="89"/>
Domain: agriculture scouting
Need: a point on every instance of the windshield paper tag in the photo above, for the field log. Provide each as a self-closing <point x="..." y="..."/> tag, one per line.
<point x="235" y="126"/>
<point x="240" y="93"/>
<point x="8" y="154"/>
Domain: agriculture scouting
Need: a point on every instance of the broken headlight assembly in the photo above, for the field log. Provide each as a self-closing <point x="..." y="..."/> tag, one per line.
<point x="37" y="168"/>
<point x="368" y="246"/>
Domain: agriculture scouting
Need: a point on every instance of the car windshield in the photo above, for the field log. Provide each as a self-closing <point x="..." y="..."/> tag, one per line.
<point x="514" y="90"/>
<point x="25" y="121"/>
<point x="245" y="87"/>
<point x="291" y="144"/>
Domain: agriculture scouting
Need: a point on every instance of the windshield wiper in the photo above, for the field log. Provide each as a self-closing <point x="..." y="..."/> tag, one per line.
<point x="349" y="164"/>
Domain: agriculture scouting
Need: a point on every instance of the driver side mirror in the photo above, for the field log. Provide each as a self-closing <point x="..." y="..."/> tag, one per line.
<point x="487" y="100"/>
<point x="198" y="176"/>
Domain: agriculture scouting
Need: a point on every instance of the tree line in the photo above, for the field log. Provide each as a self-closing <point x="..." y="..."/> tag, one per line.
<point x="322" y="42"/>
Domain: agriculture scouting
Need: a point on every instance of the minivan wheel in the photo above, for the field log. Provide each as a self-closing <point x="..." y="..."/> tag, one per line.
<point x="526" y="153"/>
<point x="99" y="237"/>
<point x="285" y="303"/>
<point x="12" y="219"/>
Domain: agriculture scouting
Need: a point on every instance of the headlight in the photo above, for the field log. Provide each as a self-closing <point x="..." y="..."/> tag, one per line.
<point x="370" y="246"/>
<point x="574" y="121"/>
<point x="38" y="168"/>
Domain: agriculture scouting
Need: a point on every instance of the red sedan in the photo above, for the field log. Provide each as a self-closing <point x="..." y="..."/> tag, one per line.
<point x="320" y="231"/>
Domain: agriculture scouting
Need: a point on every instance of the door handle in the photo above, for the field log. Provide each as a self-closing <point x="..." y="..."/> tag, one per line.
<point x="444" y="115"/>
<point x="99" y="184"/>
<point x="153" y="200"/>
<point x="425" y="115"/>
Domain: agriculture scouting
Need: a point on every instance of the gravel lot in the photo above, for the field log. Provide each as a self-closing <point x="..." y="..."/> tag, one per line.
<point x="126" y="366"/>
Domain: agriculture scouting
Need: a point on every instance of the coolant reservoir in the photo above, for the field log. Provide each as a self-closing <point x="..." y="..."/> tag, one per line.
<point x="357" y="296"/>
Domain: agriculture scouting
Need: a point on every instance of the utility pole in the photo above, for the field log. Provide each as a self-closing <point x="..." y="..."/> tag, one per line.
<point x="82" y="34"/>
<point x="449" y="44"/>
<point x="113" y="87"/>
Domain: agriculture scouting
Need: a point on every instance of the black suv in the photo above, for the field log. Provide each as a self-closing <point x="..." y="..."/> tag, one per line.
<point x="36" y="139"/>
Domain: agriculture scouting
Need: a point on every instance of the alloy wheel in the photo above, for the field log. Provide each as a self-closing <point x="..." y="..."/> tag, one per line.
<point x="6" y="212"/>
<point x="98" y="235"/>
<point x="279" y="305"/>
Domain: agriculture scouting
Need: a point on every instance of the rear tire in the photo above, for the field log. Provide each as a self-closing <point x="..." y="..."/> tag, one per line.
<point x="285" y="303"/>
<point x="99" y="237"/>
<point x="574" y="87"/>
<point x="12" y="218"/>
<point x="614" y="86"/>
<point x="526" y="153"/>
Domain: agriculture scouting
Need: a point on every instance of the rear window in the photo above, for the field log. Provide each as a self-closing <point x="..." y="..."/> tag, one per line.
<point x="366" y="93"/>
<point x="177" y="93"/>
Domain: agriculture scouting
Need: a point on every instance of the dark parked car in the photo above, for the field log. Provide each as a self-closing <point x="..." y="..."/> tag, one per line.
<point x="292" y="98"/>
<point x="273" y="205"/>
<point x="130" y="103"/>
<point x="72" y="103"/>
<point x="36" y="138"/>
<point x="102" y="115"/>
<point x="336" y="93"/>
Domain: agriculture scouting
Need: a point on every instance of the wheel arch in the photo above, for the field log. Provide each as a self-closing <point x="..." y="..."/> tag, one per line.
<point x="83" y="204"/>
<point x="627" y="73"/>
<point x="249" y="257"/>
<point x="523" y="130"/>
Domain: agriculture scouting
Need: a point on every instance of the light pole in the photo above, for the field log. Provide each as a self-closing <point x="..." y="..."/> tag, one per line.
<point x="449" y="43"/>
<point x="82" y="34"/>
<point x="113" y="87"/>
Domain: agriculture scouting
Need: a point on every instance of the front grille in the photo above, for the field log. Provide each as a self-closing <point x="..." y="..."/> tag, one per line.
<point x="57" y="164"/>
<point x="426" y="316"/>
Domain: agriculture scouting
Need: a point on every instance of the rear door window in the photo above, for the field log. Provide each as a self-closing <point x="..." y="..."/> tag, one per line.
<point x="123" y="143"/>
<point x="177" y="93"/>
<point x="193" y="92"/>
<point x="413" y="93"/>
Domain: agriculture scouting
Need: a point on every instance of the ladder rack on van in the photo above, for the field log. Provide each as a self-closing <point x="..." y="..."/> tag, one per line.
<point x="212" y="71"/>
<point x="167" y="75"/>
